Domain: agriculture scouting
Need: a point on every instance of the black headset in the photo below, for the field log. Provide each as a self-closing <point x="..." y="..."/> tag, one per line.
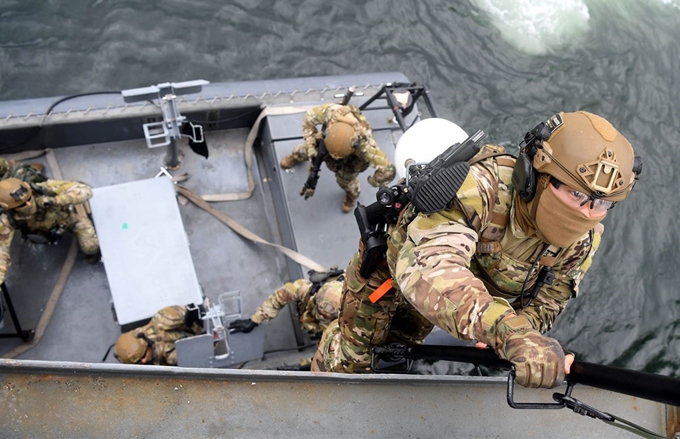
<point x="524" y="174"/>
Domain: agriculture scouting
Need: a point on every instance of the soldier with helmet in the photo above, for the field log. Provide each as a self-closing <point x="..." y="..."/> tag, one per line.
<point x="42" y="212"/>
<point x="501" y="262"/>
<point x="154" y="343"/>
<point x="317" y="301"/>
<point x="351" y="149"/>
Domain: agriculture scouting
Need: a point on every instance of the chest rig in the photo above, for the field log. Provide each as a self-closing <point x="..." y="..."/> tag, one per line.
<point x="491" y="264"/>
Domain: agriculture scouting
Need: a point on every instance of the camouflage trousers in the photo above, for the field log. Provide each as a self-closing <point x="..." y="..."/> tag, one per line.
<point x="346" y="172"/>
<point x="349" y="183"/>
<point x="346" y="344"/>
<point x="86" y="235"/>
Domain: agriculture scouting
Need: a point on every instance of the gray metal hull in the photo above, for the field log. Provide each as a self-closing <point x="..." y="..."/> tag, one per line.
<point x="55" y="399"/>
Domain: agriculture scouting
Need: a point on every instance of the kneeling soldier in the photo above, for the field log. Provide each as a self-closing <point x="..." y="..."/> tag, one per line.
<point x="42" y="212"/>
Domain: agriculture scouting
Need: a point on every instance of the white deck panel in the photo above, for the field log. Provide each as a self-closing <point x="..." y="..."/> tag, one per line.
<point x="144" y="248"/>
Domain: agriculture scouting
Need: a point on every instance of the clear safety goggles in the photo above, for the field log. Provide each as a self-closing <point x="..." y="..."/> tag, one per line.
<point x="578" y="199"/>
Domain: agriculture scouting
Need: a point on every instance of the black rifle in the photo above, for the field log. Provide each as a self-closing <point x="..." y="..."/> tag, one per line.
<point x="318" y="278"/>
<point x="430" y="187"/>
<point x="659" y="388"/>
<point x="313" y="179"/>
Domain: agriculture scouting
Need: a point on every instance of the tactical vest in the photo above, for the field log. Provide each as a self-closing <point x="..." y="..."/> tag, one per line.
<point x="51" y="236"/>
<point x="503" y="275"/>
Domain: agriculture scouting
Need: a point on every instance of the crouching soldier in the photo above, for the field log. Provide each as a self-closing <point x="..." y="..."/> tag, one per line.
<point x="154" y="343"/>
<point x="42" y="212"/>
<point x="317" y="301"/>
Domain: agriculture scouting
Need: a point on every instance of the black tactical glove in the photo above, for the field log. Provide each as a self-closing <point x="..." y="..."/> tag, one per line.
<point x="243" y="325"/>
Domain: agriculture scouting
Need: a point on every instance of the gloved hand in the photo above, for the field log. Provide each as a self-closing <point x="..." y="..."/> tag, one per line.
<point x="307" y="192"/>
<point x="243" y="325"/>
<point x="310" y="145"/>
<point x="538" y="360"/>
<point x="372" y="182"/>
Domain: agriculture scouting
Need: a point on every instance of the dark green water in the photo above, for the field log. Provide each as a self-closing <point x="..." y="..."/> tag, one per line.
<point x="501" y="66"/>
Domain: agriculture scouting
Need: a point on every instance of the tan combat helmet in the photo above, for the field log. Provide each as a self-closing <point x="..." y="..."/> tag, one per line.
<point x="14" y="193"/>
<point x="585" y="152"/>
<point x="340" y="136"/>
<point x="130" y="349"/>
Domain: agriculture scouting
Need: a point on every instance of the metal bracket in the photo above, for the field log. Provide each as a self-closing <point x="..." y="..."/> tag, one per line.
<point x="167" y="131"/>
<point x="530" y="405"/>
<point x="401" y="99"/>
<point x="165" y="172"/>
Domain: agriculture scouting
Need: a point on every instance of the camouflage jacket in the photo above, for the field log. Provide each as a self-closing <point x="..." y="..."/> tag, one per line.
<point x="367" y="152"/>
<point x="6" y="167"/>
<point x="61" y="195"/>
<point x="315" y="312"/>
<point x="164" y="329"/>
<point x="434" y="260"/>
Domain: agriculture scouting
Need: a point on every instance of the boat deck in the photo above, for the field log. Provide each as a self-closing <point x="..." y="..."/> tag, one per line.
<point x="68" y="392"/>
<point x="82" y="326"/>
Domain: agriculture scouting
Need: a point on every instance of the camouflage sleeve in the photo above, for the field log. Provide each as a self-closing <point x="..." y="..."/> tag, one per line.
<point x="433" y="272"/>
<point x="289" y="292"/>
<point x="6" y="235"/>
<point x="369" y="151"/>
<point x="315" y="116"/>
<point x="67" y="192"/>
<point x="552" y="299"/>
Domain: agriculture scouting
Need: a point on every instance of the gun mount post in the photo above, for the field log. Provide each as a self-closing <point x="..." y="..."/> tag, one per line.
<point x="167" y="131"/>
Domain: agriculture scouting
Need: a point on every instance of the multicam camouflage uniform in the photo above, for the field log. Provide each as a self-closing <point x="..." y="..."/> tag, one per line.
<point x="6" y="166"/>
<point x="28" y="173"/>
<point x="164" y="329"/>
<point x="314" y="311"/>
<point x="54" y="214"/>
<point x="434" y="259"/>
<point x="348" y="169"/>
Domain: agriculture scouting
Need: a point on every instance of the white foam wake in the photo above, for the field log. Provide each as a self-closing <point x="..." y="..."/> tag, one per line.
<point x="537" y="27"/>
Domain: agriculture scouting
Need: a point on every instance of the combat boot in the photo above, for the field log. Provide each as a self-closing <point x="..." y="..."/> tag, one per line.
<point x="348" y="203"/>
<point x="288" y="162"/>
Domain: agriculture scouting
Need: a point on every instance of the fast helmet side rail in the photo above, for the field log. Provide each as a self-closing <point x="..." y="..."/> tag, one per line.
<point x="524" y="175"/>
<point x="537" y="155"/>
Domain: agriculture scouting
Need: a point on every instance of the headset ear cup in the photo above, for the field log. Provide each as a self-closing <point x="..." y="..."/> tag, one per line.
<point x="524" y="178"/>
